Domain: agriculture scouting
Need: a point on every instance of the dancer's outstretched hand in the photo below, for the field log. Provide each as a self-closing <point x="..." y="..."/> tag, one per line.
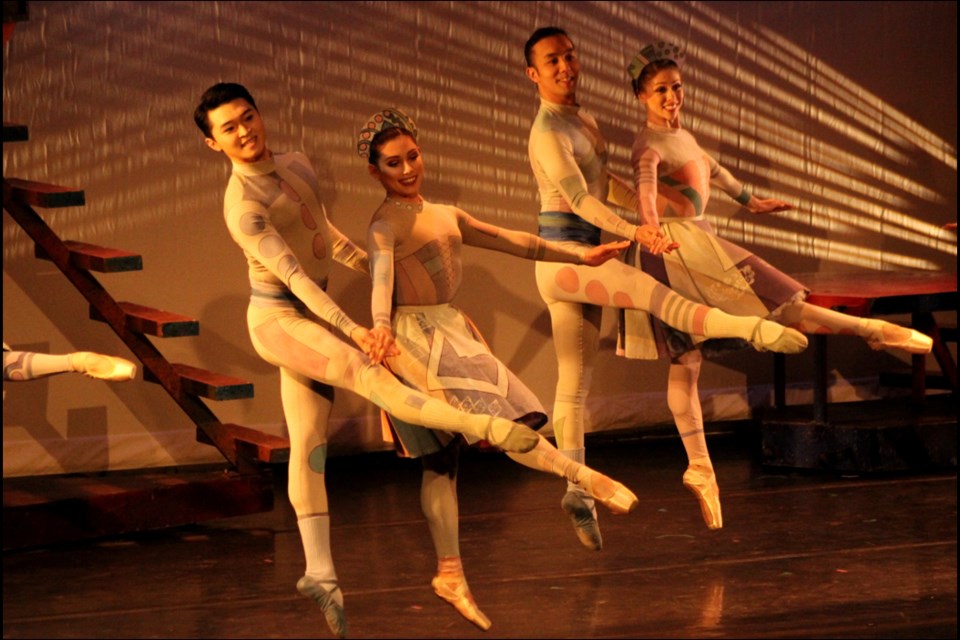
<point x="653" y="239"/>
<point x="596" y="256"/>
<point x="767" y="205"/>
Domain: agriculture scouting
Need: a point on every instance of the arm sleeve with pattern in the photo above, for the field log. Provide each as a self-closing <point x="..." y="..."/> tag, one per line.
<point x="722" y="178"/>
<point x="645" y="172"/>
<point x="380" y="240"/>
<point x="250" y="227"/>
<point x="555" y="155"/>
<point x="347" y="253"/>
<point x="621" y="193"/>
<point x="518" y="243"/>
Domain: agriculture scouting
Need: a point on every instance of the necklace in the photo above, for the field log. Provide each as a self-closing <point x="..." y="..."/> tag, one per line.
<point x="407" y="206"/>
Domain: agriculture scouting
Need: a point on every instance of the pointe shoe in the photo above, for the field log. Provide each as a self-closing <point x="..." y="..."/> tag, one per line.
<point x="332" y="610"/>
<point x="702" y="482"/>
<point x="612" y="494"/>
<point x="455" y="591"/>
<point x="770" y="336"/>
<point x="103" y="367"/>
<point x="519" y="438"/>
<point x="880" y="334"/>
<point x="584" y="518"/>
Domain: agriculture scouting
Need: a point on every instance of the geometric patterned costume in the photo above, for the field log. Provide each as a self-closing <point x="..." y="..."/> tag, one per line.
<point x="673" y="177"/>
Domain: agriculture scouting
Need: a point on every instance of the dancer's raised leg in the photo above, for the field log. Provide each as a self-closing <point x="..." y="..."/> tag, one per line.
<point x="879" y="334"/>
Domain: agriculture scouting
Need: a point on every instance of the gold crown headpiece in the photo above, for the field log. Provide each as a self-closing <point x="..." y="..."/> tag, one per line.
<point x="385" y="119"/>
<point x="652" y="52"/>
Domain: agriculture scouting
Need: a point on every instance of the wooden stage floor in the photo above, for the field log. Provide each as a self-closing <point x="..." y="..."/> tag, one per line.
<point x="801" y="555"/>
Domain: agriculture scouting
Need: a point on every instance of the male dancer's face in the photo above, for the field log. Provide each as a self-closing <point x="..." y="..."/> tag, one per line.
<point x="555" y="69"/>
<point x="238" y="131"/>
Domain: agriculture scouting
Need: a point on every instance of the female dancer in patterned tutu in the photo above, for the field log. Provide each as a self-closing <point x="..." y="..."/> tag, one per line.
<point x="673" y="176"/>
<point x="415" y="258"/>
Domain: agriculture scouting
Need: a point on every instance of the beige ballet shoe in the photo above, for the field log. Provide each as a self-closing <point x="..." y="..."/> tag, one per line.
<point x="584" y="518"/>
<point x="880" y="334"/>
<point x="702" y="482"/>
<point x="611" y="494"/>
<point x="455" y="591"/>
<point x="770" y="336"/>
<point x="103" y="367"/>
<point x="513" y="437"/>
<point x="332" y="610"/>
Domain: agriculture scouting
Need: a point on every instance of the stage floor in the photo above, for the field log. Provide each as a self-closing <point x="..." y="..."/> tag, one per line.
<point x="801" y="555"/>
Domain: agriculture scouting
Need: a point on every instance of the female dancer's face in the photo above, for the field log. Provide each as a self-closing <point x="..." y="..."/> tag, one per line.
<point x="663" y="97"/>
<point x="400" y="168"/>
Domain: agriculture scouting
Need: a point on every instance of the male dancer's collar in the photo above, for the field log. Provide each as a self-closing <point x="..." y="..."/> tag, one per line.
<point x="556" y="107"/>
<point x="260" y="168"/>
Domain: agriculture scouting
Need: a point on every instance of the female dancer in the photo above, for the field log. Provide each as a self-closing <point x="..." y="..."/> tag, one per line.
<point x="273" y="212"/>
<point x="415" y="257"/>
<point x="673" y="178"/>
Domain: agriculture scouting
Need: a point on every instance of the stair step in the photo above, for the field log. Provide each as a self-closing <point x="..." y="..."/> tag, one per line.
<point x="39" y="194"/>
<point x="90" y="257"/>
<point x="154" y="322"/>
<point x="13" y="132"/>
<point x="206" y="384"/>
<point x="44" y="510"/>
<point x="250" y="443"/>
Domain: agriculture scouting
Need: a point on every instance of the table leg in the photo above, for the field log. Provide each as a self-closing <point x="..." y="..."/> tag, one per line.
<point x="779" y="381"/>
<point x="819" y="378"/>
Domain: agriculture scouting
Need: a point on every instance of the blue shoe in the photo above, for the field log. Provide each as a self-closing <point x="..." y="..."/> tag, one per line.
<point x="332" y="610"/>
<point x="584" y="517"/>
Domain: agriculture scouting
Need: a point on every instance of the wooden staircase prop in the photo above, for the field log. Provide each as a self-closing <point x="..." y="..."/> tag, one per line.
<point x="70" y="509"/>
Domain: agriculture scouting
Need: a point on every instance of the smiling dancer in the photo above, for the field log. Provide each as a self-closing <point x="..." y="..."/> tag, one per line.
<point x="415" y="256"/>
<point x="273" y="212"/>
<point x="568" y="156"/>
<point x="673" y="176"/>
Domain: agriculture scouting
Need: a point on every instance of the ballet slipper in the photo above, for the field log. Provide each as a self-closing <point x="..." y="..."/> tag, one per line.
<point x="584" y="517"/>
<point x="770" y="336"/>
<point x="518" y="438"/>
<point x="332" y="610"/>
<point x="880" y="334"/>
<point x="455" y="591"/>
<point x="103" y="367"/>
<point x="702" y="482"/>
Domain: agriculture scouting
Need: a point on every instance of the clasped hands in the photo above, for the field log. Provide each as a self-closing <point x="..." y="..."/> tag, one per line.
<point x="378" y="343"/>
<point x="651" y="237"/>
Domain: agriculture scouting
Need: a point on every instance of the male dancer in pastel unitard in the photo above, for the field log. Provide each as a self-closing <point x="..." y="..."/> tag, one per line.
<point x="272" y="210"/>
<point x="568" y="156"/>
